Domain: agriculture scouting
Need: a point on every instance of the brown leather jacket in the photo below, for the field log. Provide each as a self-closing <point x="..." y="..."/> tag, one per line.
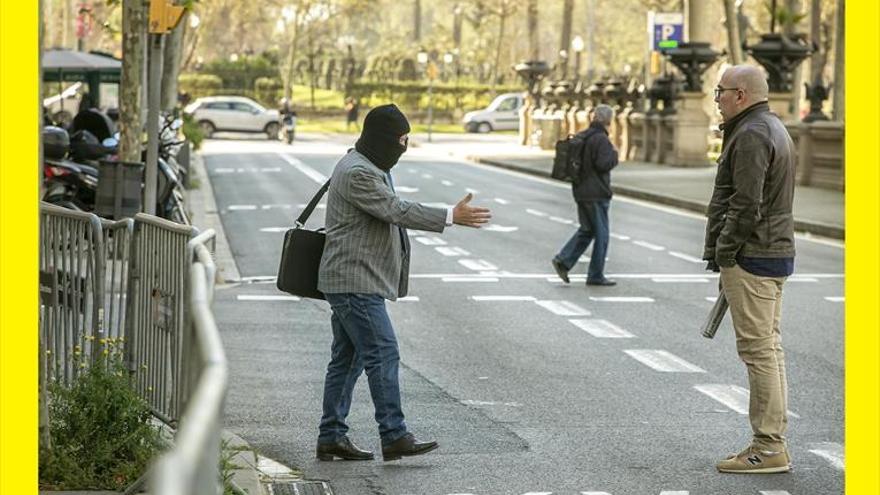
<point x="750" y="212"/>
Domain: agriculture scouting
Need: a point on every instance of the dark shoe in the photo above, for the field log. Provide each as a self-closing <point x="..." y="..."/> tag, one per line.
<point x="406" y="446"/>
<point x="604" y="282"/>
<point x="344" y="449"/>
<point x="560" y="270"/>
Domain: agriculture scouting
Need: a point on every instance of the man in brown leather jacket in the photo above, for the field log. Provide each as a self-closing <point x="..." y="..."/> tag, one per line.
<point x="750" y="239"/>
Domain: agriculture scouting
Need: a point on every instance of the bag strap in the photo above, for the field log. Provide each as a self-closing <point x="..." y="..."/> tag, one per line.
<point x="312" y="204"/>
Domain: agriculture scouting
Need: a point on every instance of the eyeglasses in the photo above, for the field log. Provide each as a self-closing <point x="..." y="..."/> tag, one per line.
<point x="720" y="90"/>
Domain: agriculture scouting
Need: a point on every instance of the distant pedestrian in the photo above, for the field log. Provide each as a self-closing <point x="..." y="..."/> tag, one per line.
<point x="352" y="107"/>
<point x="750" y="240"/>
<point x="592" y="193"/>
<point x="366" y="261"/>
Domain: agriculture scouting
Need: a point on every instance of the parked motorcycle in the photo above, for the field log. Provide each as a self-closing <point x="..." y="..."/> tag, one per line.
<point x="66" y="183"/>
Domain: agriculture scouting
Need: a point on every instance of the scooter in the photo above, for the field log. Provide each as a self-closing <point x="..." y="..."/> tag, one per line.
<point x="289" y="122"/>
<point x="65" y="182"/>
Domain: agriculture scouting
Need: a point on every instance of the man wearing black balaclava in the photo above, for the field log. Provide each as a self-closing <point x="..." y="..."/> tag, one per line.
<point x="365" y="262"/>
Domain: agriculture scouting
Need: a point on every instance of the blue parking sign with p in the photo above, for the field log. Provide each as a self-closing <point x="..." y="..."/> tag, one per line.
<point x="668" y="30"/>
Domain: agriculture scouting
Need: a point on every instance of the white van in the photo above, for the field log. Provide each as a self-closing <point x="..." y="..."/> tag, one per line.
<point x="501" y="115"/>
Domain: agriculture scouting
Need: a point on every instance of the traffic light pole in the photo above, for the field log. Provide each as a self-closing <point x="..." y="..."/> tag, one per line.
<point x="154" y="92"/>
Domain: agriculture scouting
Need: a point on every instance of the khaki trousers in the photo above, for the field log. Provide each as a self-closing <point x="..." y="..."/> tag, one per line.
<point x="755" y="307"/>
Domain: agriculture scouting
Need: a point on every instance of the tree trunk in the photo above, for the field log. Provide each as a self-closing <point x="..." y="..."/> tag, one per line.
<point x="838" y="102"/>
<point x="532" y="19"/>
<point x="291" y="59"/>
<point x="130" y="103"/>
<point x="502" y="21"/>
<point x="171" y="65"/>
<point x="734" y="44"/>
<point x="565" y="39"/>
<point x="417" y="20"/>
<point x="66" y="21"/>
<point x="820" y="56"/>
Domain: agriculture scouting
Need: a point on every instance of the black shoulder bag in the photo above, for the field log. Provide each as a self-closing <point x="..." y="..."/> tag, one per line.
<point x="301" y="255"/>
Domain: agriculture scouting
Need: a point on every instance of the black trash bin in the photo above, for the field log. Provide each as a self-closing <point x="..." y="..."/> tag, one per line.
<point x="183" y="160"/>
<point x="120" y="189"/>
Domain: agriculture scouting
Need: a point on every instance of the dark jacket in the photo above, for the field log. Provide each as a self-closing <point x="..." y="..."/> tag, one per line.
<point x="598" y="160"/>
<point x="750" y="210"/>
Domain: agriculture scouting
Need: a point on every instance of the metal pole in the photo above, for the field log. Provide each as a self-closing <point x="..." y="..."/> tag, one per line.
<point x="154" y="92"/>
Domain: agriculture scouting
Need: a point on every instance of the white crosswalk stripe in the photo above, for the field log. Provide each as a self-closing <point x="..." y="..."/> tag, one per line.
<point x="835" y="299"/>
<point x="622" y="299"/>
<point x="652" y="247"/>
<point x="732" y="396"/>
<point x="305" y="169"/>
<point x="431" y="241"/>
<point x="774" y="492"/>
<point x="478" y="265"/>
<point x="602" y="329"/>
<point x="469" y="279"/>
<point x="677" y="280"/>
<point x="257" y="297"/>
<point x="685" y="257"/>
<point x="452" y="251"/>
<point x="831" y="452"/>
<point x="503" y="298"/>
<point x="563" y="308"/>
<point x="663" y="361"/>
<point x="537" y="213"/>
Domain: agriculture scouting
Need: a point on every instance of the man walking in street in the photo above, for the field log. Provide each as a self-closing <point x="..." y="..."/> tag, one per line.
<point x="750" y="239"/>
<point x="592" y="193"/>
<point x="366" y="261"/>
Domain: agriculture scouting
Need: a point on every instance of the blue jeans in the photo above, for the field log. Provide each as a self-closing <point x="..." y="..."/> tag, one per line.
<point x="593" y="219"/>
<point x="363" y="339"/>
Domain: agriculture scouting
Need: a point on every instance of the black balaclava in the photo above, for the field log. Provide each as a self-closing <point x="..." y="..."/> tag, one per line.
<point x="380" y="138"/>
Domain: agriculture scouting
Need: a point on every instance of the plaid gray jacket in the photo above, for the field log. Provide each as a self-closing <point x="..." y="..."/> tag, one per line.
<point x="367" y="250"/>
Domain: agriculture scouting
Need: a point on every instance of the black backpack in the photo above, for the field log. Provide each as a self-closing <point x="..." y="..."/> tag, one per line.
<point x="569" y="159"/>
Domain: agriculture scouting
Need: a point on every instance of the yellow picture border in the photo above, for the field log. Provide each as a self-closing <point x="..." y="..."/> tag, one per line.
<point x="19" y="130"/>
<point x="862" y="247"/>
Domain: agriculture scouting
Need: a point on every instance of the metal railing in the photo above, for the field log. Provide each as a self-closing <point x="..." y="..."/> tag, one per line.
<point x="71" y="290"/>
<point x="117" y="238"/>
<point x="192" y="466"/>
<point x="156" y="312"/>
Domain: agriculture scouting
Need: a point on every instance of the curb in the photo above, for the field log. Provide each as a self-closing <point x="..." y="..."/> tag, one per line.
<point x="807" y="226"/>
<point x="205" y="216"/>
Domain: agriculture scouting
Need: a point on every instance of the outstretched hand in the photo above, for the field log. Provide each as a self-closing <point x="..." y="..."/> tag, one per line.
<point x="470" y="216"/>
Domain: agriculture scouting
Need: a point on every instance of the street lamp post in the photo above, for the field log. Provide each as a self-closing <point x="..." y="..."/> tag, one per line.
<point x="577" y="44"/>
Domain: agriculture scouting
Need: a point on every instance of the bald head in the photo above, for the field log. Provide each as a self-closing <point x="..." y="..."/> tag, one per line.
<point x="750" y="78"/>
<point x="740" y="87"/>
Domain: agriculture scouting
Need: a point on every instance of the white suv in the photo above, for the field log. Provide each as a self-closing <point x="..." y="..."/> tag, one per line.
<point x="502" y="114"/>
<point x="233" y="113"/>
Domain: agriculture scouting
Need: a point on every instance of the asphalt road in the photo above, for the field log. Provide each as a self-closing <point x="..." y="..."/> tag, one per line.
<point x="531" y="386"/>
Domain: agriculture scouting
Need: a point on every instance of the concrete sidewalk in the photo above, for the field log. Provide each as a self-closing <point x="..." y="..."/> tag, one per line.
<point x="816" y="211"/>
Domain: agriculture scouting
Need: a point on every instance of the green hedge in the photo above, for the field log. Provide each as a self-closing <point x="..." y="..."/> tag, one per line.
<point x="198" y="83"/>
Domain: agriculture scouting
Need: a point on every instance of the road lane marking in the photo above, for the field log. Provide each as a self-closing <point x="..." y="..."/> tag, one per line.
<point x="502" y="201"/>
<point x="652" y="247"/>
<point x="447" y="183"/>
<point x="566" y="221"/>
<point x="602" y="329"/>
<point x="255" y="297"/>
<point x="675" y="492"/>
<point x="241" y="207"/>
<point x="831" y="452"/>
<point x="563" y="308"/>
<point x="414" y="232"/>
<point x="478" y="265"/>
<point x="732" y="396"/>
<point x="271" y="169"/>
<point x="452" y="251"/>
<point x="305" y="169"/>
<point x="595" y="493"/>
<point x="711" y="299"/>
<point x="427" y="176"/>
<point x="623" y="299"/>
<point x="408" y="299"/>
<point x="537" y="213"/>
<point x="471" y="190"/>
<point x="281" y="206"/>
<point x="634" y="276"/>
<point x="499" y="228"/>
<point x="620" y="237"/>
<point x="686" y="257"/>
<point x="798" y="278"/>
<point x="431" y="241"/>
<point x="538" y="493"/>
<point x="469" y="279"/>
<point x="275" y="229"/>
<point x="406" y="189"/>
<point x="663" y="361"/>
<point x="439" y="205"/>
<point x="502" y="298"/>
<point x="221" y="170"/>
<point x="677" y="280"/>
<point x="774" y="492"/>
<point x="834" y="298"/>
<point x="469" y="402"/>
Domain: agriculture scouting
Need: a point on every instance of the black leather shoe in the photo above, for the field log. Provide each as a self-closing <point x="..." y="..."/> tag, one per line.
<point x="344" y="449"/>
<point x="604" y="282"/>
<point x="406" y="446"/>
<point x="560" y="270"/>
